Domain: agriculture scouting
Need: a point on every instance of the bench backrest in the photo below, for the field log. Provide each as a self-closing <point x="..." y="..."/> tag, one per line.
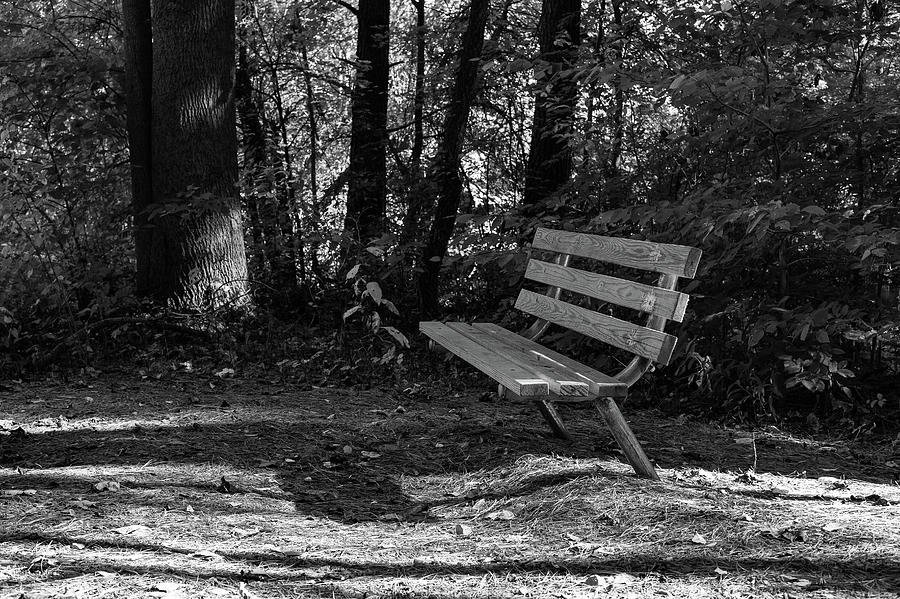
<point x="661" y="303"/>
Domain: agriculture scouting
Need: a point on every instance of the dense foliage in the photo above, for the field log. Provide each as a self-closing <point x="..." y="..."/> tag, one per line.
<point x="764" y="132"/>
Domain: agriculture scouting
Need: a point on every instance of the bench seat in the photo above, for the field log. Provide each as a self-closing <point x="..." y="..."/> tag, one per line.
<point x="524" y="367"/>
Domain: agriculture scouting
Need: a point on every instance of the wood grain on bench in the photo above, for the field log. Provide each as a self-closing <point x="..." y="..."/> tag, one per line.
<point x="678" y="260"/>
<point x="637" y="339"/>
<point x="562" y="381"/>
<point x="629" y="294"/>
<point x="599" y="384"/>
<point x="503" y="370"/>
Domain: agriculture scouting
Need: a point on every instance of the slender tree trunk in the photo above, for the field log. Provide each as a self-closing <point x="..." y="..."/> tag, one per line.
<point x="366" y="193"/>
<point x="857" y="91"/>
<point x="444" y="178"/>
<point x="415" y="205"/>
<point x="315" y="212"/>
<point x="550" y="157"/>
<point x="139" y="85"/>
<point x="195" y="240"/>
<point x="612" y="175"/>
<point x="419" y="100"/>
<point x="255" y="153"/>
<point x="599" y="57"/>
<point x="284" y="272"/>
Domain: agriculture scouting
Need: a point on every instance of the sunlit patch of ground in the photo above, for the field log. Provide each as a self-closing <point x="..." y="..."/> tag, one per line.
<point x="176" y="489"/>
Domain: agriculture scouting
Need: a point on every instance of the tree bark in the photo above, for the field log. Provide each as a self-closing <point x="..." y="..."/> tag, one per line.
<point x="444" y="178"/>
<point x="255" y="154"/>
<point x="416" y="201"/>
<point x="419" y="100"/>
<point x="615" y="191"/>
<point x="367" y="188"/>
<point x="195" y="242"/>
<point x="139" y="83"/>
<point x="550" y="156"/>
<point x="312" y="107"/>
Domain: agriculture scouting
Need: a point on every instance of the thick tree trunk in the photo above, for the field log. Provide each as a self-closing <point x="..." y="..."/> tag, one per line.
<point x="195" y="242"/>
<point x="550" y="156"/>
<point x="444" y="180"/>
<point x="368" y="129"/>
<point x="139" y="83"/>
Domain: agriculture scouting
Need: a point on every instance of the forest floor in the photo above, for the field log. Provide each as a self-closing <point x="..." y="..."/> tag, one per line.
<point x="201" y="486"/>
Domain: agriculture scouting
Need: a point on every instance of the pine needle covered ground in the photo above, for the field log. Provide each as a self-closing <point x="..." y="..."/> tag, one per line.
<point x="187" y="487"/>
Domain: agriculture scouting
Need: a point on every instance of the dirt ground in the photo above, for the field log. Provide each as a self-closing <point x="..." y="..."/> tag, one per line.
<point x="203" y="486"/>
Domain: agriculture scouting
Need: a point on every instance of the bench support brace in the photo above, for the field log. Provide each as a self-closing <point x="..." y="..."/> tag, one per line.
<point x="628" y="443"/>
<point x="548" y="411"/>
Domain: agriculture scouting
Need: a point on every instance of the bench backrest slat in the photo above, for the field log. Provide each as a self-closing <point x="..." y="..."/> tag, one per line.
<point x="667" y="258"/>
<point x="630" y="294"/>
<point x="637" y="339"/>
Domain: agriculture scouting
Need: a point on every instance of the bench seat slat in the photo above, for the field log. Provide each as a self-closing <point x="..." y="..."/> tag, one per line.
<point x="630" y="294"/>
<point x="599" y="384"/>
<point x="508" y="373"/>
<point x="639" y="340"/>
<point x="562" y="381"/>
<point x="668" y="258"/>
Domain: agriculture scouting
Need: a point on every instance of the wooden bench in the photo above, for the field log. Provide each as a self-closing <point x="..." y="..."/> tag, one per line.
<point x="527" y="370"/>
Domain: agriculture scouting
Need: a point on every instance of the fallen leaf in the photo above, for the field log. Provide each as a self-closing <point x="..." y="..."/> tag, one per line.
<point x="17" y="492"/>
<point x="83" y="504"/>
<point x="617" y="580"/>
<point x="463" y="530"/>
<point x="622" y="578"/>
<point x="245" y="592"/>
<point x="720" y="571"/>
<point x="225" y="486"/>
<point x="166" y="587"/>
<point x="501" y="515"/>
<point x="390" y="518"/>
<point x="135" y="530"/>
<point x="698" y="539"/>
<point x="208" y="555"/>
<point x="243" y="532"/>
<point x="107" y="485"/>
<point x="370" y="454"/>
<point x="831" y="527"/>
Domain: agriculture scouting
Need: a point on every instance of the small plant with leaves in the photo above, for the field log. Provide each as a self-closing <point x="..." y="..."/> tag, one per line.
<point x="371" y="308"/>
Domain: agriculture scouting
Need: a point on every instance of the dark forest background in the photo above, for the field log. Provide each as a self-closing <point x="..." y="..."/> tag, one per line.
<point x="293" y="185"/>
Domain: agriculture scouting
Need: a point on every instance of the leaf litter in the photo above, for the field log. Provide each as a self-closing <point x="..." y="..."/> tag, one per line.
<point x="228" y="495"/>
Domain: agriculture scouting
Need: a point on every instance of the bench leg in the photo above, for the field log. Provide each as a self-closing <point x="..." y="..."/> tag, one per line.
<point x="548" y="411"/>
<point x="625" y="438"/>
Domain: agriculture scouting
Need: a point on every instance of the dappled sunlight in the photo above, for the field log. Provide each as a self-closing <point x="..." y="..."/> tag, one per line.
<point x="337" y="492"/>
